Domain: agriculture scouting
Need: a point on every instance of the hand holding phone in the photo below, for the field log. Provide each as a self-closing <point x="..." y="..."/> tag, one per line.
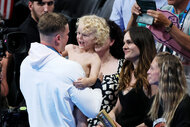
<point x="146" y="5"/>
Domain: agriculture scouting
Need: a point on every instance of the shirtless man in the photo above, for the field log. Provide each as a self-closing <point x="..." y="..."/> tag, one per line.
<point x="91" y="31"/>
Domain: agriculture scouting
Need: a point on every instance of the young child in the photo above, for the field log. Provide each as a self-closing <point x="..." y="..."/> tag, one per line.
<point x="91" y="31"/>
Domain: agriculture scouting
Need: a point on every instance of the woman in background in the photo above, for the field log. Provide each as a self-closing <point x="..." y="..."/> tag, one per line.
<point x="111" y="56"/>
<point x="134" y="89"/>
<point x="171" y="103"/>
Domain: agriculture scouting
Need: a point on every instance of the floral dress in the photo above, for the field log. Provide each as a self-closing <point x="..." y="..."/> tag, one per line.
<point x="109" y="93"/>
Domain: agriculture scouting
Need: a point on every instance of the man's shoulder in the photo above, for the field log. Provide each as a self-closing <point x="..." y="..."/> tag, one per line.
<point x="66" y="63"/>
<point x="28" y="23"/>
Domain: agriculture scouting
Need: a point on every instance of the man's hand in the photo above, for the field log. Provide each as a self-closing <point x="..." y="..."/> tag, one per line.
<point x="159" y="18"/>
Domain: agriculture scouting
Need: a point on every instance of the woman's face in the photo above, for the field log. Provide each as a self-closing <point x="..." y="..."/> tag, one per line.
<point x="85" y="40"/>
<point x="154" y="73"/>
<point x="105" y="47"/>
<point x="130" y="49"/>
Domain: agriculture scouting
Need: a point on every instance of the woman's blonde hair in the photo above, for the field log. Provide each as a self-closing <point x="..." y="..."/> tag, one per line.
<point x="96" y="25"/>
<point x="172" y="86"/>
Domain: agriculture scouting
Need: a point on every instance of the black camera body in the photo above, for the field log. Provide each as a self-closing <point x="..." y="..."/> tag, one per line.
<point x="16" y="43"/>
<point x="12" y="40"/>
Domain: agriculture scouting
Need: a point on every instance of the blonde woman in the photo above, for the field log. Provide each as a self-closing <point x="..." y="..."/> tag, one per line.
<point x="171" y="103"/>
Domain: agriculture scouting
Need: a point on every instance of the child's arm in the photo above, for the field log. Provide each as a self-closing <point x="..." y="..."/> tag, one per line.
<point x="65" y="52"/>
<point x="94" y="71"/>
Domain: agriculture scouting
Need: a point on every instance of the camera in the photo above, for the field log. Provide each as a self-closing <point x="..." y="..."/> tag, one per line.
<point x="12" y="40"/>
<point x="16" y="43"/>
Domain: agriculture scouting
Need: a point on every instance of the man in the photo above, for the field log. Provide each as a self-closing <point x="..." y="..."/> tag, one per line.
<point x="121" y="11"/>
<point x="29" y="27"/>
<point x="181" y="9"/>
<point x="47" y="78"/>
<point x="37" y="8"/>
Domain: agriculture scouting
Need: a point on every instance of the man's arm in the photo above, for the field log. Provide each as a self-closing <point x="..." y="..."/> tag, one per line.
<point x="178" y="35"/>
<point x="182" y="38"/>
<point x="135" y="12"/>
<point x="87" y="100"/>
<point x="116" y="14"/>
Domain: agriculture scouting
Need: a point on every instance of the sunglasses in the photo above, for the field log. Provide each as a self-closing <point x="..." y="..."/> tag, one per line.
<point x="50" y="3"/>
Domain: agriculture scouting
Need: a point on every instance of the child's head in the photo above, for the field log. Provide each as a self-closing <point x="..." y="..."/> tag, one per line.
<point x="94" y="27"/>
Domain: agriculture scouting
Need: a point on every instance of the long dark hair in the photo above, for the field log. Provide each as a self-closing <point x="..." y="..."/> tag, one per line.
<point x="117" y="35"/>
<point x="144" y="40"/>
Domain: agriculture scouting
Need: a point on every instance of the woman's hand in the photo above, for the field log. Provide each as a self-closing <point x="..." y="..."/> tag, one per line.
<point x="117" y="125"/>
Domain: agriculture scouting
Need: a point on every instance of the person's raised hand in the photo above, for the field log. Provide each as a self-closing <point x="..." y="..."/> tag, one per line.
<point x="136" y="10"/>
<point x="159" y="18"/>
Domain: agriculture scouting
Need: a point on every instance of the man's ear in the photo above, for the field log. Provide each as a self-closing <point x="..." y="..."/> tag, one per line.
<point x="57" y="39"/>
<point x="30" y="4"/>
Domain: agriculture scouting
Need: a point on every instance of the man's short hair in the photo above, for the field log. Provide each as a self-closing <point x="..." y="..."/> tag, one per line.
<point x="51" y="23"/>
<point x="35" y="0"/>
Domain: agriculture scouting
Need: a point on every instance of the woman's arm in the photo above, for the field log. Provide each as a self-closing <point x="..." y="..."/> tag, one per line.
<point x="116" y="110"/>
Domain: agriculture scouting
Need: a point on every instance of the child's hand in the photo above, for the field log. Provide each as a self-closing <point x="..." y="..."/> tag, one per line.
<point x="81" y="83"/>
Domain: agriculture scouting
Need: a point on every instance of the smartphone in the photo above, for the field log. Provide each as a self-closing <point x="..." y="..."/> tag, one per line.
<point x="146" y="5"/>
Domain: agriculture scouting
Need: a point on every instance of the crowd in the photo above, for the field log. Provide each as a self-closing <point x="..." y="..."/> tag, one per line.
<point x="116" y="65"/>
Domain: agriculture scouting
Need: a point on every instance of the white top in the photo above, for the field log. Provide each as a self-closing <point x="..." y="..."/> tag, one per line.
<point x="46" y="82"/>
